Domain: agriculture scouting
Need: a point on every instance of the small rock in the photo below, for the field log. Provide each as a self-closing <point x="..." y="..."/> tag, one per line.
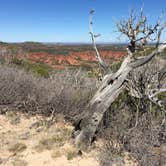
<point x="25" y="135"/>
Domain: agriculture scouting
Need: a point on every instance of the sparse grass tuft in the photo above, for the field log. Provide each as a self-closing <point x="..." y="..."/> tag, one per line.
<point x="56" y="153"/>
<point x="13" y="117"/>
<point x="17" y="148"/>
<point x="19" y="162"/>
<point x="71" y="154"/>
<point x="45" y="124"/>
<point x="48" y="143"/>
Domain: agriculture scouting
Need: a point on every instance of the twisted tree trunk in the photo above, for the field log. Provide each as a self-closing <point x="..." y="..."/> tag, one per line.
<point x="111" y="86"/>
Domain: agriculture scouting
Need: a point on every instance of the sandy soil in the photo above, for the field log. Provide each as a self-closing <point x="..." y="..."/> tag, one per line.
<point x="31" y="141"/>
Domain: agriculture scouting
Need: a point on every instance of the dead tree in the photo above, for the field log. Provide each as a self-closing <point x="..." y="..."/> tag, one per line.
<point x="139" y="34"/>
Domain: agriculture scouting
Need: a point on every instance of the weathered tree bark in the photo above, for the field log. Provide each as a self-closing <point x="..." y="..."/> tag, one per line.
<point x="112" y="84"/>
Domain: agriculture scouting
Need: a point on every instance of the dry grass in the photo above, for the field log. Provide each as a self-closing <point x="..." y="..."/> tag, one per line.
<point x="57" y="140"/>
<point x="71" y="154"/>
<point x="17" y="148"/>
<point x="13" y="117"/>
<point x="50" y="143"/>
<point x="56" y="153"/>
<point x="66" y="92"/>
<point x="18" y="162"/>
<point x="133" y="125"/>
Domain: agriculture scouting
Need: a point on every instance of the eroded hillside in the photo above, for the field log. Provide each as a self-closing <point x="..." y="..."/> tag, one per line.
<point x="60" y="56"/>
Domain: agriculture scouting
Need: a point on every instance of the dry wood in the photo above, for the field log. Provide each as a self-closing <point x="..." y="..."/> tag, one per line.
<point x="113" y="84"/>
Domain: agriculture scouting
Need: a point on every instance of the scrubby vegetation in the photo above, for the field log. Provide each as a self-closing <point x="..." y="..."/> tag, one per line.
<point x="130" y="126"/>
<point x="38" y="69"/>
<point x="64" y="49"/>
<point x="65" y="92"/>
<point x="135" y="126"/>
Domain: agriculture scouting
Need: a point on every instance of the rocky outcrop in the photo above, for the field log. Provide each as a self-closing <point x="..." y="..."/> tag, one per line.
<point x="74" y="58"/>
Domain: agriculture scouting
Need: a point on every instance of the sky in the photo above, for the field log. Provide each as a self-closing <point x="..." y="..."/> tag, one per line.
<point x="67" y="20"/>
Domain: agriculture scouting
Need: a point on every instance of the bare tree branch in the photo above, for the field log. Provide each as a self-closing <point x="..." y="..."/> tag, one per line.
<point x="102" y="63"/>
<point x="136" y="29"/>
<point x="138" y="32"/>
<point x="146" y="59"/>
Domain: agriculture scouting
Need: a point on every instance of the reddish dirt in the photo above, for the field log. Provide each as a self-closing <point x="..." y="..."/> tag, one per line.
<point x="74" y="58"/>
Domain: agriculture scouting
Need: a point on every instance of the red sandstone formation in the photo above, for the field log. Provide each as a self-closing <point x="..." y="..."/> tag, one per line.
<point x="74" y="58"/>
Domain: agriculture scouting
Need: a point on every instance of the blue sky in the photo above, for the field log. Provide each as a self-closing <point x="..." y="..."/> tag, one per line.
<point x="67" y="20"/>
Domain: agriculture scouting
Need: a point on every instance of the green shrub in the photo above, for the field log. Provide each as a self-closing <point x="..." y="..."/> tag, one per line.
<point x="38" y="69"/>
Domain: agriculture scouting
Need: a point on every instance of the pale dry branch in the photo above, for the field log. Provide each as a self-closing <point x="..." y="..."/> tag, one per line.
<point x="113" y="84"/>
<point x="102" y="63"/>
<point x="137" y="30"/>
